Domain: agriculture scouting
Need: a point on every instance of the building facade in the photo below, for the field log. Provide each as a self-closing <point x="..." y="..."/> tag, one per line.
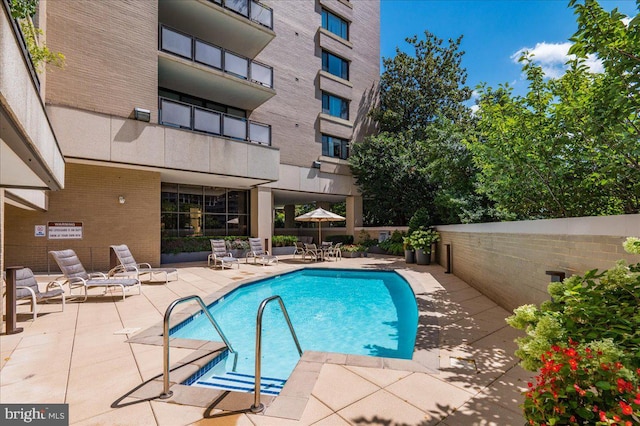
<point x="184" y="118"/>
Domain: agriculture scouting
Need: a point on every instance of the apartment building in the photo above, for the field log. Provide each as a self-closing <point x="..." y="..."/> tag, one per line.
<point x="198" y="117"/>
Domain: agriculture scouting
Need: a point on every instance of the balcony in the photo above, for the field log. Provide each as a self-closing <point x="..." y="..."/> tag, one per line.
<point x="185" y="116"/>
<point x="191" y="65"/>
<point x="243" y="26"/>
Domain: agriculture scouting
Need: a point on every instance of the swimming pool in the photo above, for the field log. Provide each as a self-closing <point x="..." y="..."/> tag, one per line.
<point x="332" y="310"/>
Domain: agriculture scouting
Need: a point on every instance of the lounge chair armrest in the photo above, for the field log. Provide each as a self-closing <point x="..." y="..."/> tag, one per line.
<point x="144" y="265"/>
<point x="54" y="284"/>
<point x="97" y="275"/>
<point x="115" y="270"/>
<point x="33" y="293"/>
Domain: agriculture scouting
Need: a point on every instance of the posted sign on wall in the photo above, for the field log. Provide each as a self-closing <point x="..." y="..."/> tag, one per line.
<point x="65" y="230"/>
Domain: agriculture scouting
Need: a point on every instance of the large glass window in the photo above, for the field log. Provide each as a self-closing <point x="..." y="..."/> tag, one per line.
<point x="334" y="105"/>
<point x="335" y="65"/>
<point x="189" y="210"/>
<point x="335" y="24"/>
<point x="335" y="147"/>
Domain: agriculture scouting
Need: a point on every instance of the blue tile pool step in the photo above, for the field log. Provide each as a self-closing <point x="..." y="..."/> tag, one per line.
<point x="238" y="382"/>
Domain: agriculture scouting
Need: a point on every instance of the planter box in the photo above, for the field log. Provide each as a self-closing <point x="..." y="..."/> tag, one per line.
<point x="195" y="256"/>
<point x="351" y="253"/>
<point x="423" y="258"/>
<point x="281" y="251"/>
<point x="410" y="256"/>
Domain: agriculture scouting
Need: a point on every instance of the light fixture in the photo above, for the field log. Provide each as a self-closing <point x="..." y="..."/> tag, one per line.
<point x="316" y="164"/>
<point x="142" y="114"/>
<point x="121" y="199"/>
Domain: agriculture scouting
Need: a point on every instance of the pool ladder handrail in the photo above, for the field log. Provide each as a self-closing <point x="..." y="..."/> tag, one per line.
<point x="257" y="405"/>
<point x="166" y="393"/>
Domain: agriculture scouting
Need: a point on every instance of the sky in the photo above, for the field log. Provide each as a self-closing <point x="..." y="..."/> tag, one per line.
<point x="494" y="31"/>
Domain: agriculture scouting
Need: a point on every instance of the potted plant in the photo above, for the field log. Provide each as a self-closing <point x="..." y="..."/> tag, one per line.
<point x="351" y="250"/>
<point x="409" y="251"/>
<point x="421" y="240"/>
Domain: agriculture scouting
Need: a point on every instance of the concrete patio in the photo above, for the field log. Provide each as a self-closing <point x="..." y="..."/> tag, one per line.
<point x="83" y="357"/>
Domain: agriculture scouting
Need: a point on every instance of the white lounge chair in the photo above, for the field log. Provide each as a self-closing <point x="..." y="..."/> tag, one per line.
<point x="129" y="266"/>
<point x="27" y="288"/>
<point x="258" y="252"/>
<point x="76" y="276"/>
<point x="220" y="255"/>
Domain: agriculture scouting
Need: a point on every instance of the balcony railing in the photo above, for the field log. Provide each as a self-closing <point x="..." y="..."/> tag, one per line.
<point x="199" y="51"/>
<point x="185" y="116"/>
<point x="252" y="10"/>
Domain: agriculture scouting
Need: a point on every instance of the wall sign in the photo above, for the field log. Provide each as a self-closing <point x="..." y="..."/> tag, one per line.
<point x="65" y="230"/>
<point x="40" y="231"/>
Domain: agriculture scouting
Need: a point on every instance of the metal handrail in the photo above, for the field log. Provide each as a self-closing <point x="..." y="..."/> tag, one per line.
<point x="257" y="405"/>
<point x="166" y="393"/>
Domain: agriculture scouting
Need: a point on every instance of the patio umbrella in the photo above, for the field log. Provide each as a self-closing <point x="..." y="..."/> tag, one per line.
<point x="320" y="215"/>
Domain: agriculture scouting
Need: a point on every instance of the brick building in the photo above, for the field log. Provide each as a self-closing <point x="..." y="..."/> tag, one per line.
<point x="197" y="117"/>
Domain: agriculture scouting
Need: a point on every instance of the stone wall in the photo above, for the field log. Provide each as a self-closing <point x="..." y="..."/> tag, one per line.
<point x="508" y="261"/>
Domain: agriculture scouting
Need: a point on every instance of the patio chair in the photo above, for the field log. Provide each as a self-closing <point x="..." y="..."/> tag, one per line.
<point x="220" y="255"/>
<point x="129" y="266"/>
<point x="335" y="251"/>
<point x="27" y="288"/>
<point x="299" y="249"/>
<point x="258" y="252"/>
<point x="76" y="276"/>
<point x="313" y="251"/>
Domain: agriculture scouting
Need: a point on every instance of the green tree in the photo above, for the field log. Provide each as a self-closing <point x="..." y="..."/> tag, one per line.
<point x="569" y="147"/>
<point x="422" y="118"/>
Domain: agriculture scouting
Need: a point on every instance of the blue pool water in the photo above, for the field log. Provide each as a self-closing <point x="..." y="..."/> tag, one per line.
<point x="332" y="310"/>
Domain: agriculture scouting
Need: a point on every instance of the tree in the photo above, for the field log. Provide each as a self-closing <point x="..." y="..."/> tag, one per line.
<point x="570" y="146"/>
<point x="422" y="118"/>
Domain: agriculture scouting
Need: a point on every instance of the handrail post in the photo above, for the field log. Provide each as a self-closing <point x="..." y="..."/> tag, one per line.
<point x="257" y="405"/>
<point x="166" y="393"/>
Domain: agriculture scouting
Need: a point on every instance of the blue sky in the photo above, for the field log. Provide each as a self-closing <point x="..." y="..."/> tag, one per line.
<point x="494" y="31"/>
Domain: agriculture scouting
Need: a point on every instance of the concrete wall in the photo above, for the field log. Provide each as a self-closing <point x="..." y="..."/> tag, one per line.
<point x="91" y="197"/>
<point x="507" y="261"/>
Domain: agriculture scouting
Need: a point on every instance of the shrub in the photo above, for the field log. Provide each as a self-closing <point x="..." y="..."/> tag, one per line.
<point x="284" y="240"/>
<point x="173" y="245"/>
<point x="593" y="379"/>
<point x="422" y="239"/>
<point x="420" y="219"/>
<point x="394" y="244"/>
<point x="583" y="384"/>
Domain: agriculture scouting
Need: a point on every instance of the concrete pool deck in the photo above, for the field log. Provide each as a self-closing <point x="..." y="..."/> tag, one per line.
<point x="88" y="357"/>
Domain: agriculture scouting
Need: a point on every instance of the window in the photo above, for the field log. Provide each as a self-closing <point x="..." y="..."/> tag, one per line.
<point x="335" y="147"/>
<point x="335" y="24"/>
<point x="335" y="65"/>
<point x="335" y="106"/>
<point x="189" y="210"/>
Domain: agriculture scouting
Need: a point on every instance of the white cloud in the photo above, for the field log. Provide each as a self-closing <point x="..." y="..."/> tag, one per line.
<point x="552" y="57"/>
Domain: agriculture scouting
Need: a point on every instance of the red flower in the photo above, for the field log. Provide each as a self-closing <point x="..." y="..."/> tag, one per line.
<point x="603" y="416"/>
<point x="573" y="364"/>
<point x="627" y="410"/>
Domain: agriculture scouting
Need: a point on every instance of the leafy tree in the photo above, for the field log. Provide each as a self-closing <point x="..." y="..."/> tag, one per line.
<point x="569" y="147"/>
<point x="422" y="118"/>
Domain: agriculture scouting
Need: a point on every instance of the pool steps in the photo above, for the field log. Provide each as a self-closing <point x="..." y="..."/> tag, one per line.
<point x="239" y="382"/>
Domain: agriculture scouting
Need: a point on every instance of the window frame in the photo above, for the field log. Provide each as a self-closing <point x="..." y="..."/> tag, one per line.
<point x="344" y="109"/>
<point x="344" y="64"/>
<point x="343" y="145"/>
<point x="326" y="24"/>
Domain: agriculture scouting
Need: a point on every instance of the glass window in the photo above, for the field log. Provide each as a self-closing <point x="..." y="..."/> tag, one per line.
<point x="334" y="105"/>
<point x="335" y="147"/>
<point x="335" y="24"/>
<point x="190" y="210"/>
<point x="335" y="65"/>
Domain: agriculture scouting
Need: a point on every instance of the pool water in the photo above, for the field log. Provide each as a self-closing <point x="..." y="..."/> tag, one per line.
<point x="332" y="310"/>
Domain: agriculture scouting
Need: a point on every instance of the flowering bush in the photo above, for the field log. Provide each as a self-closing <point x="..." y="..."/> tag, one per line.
<point x="580" y="385"/>
<point x="594" y="379"/>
